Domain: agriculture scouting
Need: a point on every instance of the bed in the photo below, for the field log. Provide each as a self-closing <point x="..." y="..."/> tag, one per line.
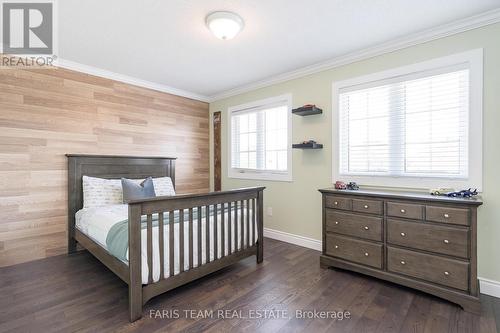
<point x="209" y="231"/>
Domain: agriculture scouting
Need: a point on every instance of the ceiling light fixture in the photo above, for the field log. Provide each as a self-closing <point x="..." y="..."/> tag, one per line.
<point x="224" y="25"/>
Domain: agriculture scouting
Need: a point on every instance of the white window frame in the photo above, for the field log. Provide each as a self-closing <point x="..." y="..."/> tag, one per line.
<point x="473" y="59"/>
<point x="261" y="174"/>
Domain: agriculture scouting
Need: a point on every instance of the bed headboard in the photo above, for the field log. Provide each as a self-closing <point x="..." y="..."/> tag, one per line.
<point x="110" y="167"/>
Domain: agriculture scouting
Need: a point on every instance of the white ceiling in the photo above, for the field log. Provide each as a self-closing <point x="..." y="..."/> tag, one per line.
<point x="167" y="43"/>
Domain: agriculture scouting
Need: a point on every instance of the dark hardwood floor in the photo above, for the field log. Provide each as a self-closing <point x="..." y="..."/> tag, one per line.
<point x="77" y="293"/>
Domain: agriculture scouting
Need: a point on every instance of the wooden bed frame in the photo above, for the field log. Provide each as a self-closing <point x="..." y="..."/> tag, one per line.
<point x="115" y="167"/>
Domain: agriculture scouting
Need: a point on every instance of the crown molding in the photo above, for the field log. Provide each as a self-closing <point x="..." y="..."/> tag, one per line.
<point x="75" y="66"/>
<point x="449" y="29"/>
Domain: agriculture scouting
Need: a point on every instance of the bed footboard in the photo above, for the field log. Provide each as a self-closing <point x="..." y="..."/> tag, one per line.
<point x="237" y="235"/>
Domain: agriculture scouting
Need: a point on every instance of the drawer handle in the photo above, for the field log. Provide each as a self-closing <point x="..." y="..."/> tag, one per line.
<point x="366" y="254"/>
<point x="403" y="211"/>
<point x="403" y="234"/>
<point x="403" y="262"/>
<point x="336" y="222"/>
<point x="446" y="273"/>
<point x="366" y="228"/>
<point x="446" y="216"/>
<point x="366" y="206"/>
<point x="335" y="203"/>
<point x="446" y="241"/>
<point x="336" y="246"/>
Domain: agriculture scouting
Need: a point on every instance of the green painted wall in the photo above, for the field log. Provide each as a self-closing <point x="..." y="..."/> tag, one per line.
<point x="297" y="205"/>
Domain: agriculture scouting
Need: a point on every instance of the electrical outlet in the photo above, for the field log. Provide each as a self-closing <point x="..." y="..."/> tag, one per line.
<point x="269" y="211"/>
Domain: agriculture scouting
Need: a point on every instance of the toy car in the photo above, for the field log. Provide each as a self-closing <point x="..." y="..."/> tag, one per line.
<point x="352" y="186"/>
<point x="468" y="193"/>
<point x="340" y="185"/>
<point x="464" y="193"/>
<point x="441" y="191"/>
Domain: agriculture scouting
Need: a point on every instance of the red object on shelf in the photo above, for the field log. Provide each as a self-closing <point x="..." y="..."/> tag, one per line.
<point x="340" y="185"/>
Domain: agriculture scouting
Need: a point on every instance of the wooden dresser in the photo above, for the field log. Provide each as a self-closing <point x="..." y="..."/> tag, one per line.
<point x="417" y="240"/>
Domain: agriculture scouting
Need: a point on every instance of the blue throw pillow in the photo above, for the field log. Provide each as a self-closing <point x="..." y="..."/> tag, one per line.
<point x="134" y="191"/>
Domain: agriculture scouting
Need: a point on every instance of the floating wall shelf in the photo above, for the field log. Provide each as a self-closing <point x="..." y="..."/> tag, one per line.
<point x="307" y="146"/>
<point x="307" y="111"/>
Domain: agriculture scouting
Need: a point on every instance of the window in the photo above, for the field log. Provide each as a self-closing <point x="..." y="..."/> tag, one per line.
<point x="418" y="126"/>
<point x="260" y="139"/>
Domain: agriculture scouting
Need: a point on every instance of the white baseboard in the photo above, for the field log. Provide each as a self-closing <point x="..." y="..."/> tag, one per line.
<point x="293" y="239"/>
<point x="487" y="287"/>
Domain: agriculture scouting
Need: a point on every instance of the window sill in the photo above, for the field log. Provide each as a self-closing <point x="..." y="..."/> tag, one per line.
<point x="261" y="176"/>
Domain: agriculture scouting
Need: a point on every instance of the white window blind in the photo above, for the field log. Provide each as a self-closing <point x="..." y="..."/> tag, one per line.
<point x="413" y="125"/>
<point x="259" y="138"/>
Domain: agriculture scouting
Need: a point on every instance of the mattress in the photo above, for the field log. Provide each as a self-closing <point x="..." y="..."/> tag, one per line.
<point x="96" y="223"/>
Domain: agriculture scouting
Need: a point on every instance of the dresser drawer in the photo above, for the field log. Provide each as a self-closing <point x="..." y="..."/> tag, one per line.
<point x="368" y="206"/>
<point x="439" y="239"/>
<point x="409" y="211"/>
<point x="447" y="272"/>
<point x="354" y="250"/>
<point x="447" y="215"/>
<point x="368" y="227"/>
<point x="333" y="201"/>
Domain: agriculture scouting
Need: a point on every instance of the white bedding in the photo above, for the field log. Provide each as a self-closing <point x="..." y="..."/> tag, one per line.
<point x="96" y="222"/>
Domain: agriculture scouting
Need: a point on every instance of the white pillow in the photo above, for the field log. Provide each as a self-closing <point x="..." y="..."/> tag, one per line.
<point x="163" y="186"/>
<point x="99" y="192"/>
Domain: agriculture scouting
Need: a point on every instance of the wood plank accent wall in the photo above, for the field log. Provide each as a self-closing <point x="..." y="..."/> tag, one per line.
<point x="47" y="113"/>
